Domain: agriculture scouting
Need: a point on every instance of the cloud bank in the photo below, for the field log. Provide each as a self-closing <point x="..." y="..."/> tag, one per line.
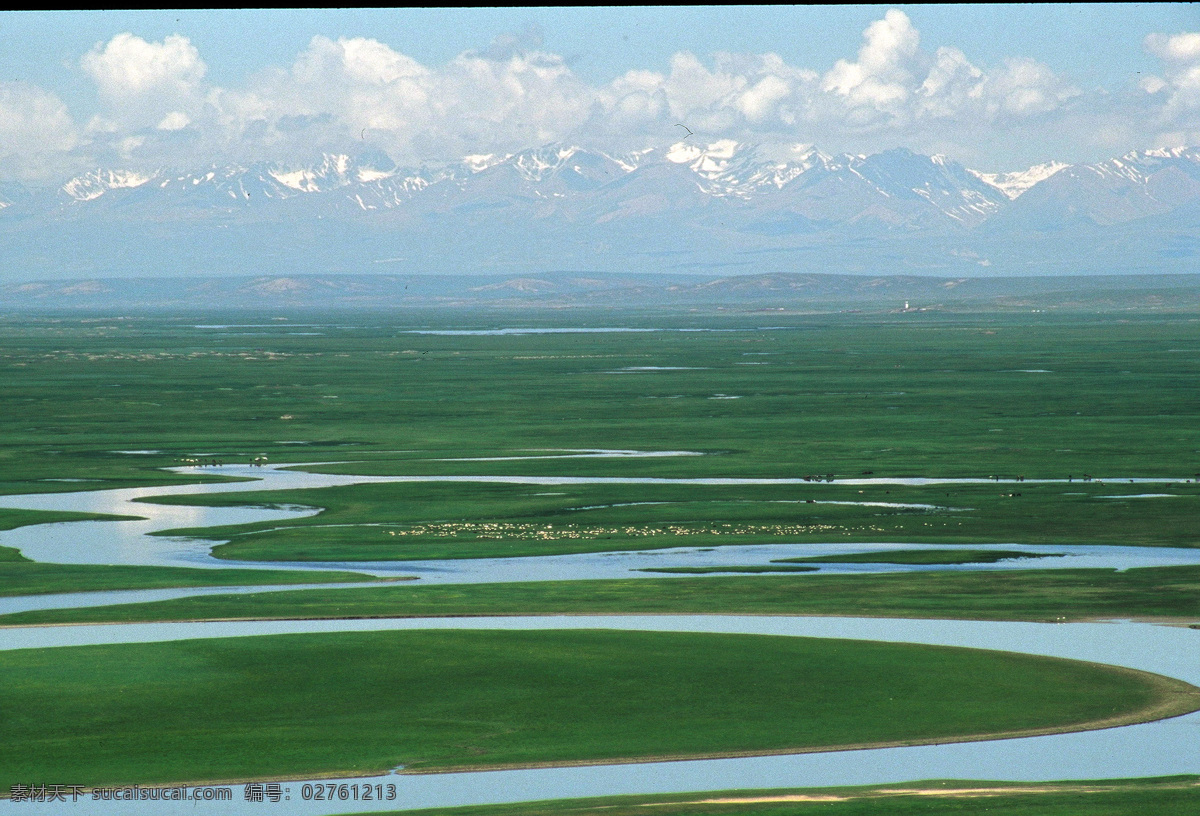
<point x="157" y="109"/>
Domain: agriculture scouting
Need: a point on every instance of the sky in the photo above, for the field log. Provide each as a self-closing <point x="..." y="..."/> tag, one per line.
<point x="997" y="87"/>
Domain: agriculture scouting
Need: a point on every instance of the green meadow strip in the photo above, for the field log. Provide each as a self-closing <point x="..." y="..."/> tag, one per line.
<point x="19" y="576"/>
<point x="363" y="702"/>
<point x="10" y="518"/>
<point x="1035" y="595"/>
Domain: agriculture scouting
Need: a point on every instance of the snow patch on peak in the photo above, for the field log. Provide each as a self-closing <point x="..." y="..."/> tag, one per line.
<point x="95" y="184"/>
<point x="535" y="164"/>
<point x="335" y="170"/>
<point x="722" y="149"/>
<point x="681" y="153"/>
<point x="301" y="180"/>
<point x="731" y="168"/>
<point x="479" y="162"/>
<point x="1171" y="153"/>
<point x="1014" y="184"/>
<point x="630" y="161"/>
<point x="368" y="174"/>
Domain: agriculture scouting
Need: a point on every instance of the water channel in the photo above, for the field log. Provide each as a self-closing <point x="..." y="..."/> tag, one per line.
<point x="1151" y="749"/>
<point x="129" y="542"/>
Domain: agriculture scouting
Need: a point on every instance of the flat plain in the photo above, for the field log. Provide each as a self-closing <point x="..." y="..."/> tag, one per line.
<point x="990" y="428"/>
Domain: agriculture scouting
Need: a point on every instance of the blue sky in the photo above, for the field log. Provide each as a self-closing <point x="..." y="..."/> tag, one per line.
<point x="999" y="87"/>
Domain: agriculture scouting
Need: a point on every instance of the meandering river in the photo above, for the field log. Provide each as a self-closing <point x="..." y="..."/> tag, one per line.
<point x="1151" y="749"/>
<point x="130" y="542"/>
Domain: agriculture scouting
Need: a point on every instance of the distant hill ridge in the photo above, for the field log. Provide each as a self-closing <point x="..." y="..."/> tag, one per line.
<point x="570" y="290"/>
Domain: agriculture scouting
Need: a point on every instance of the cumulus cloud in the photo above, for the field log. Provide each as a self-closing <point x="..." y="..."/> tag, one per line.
<point x="355" y="61"/>
<point x="477" y="101"/>
<point x="1024" y="87"/>
<point x="508" y="45"/>
<point x="146" y="84"/>
<point x="175" y="120"/>
<point x="892" y="90"/>
<point x="1179" y="86"/>
<point x="737" y="95"/>
<point x="951" y="85"/>
<point x="157" y="107"/>
<point x="129" y="66"/>
<point x="531" y="92"/>
<point x="881" y="75"/>
<point x="36" y="130"/>
<point x="1179" y="48"/>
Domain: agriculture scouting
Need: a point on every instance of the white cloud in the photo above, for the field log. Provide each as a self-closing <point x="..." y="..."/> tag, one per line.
<point x="175" y="120"/>
<point x="129" y="146"/>
<point x="1025" y="87"/>
<point x="1179" y="48"/>
<point x="1152" y="84"/>
<point x="146" y="85"/>
<point x="129" y="66"/>
<point x="36" y="129"/>
<point x="951" y="85"/>
<point x="882" y="74"/>
<point x="349" y="90"/>
<point x="30" y="117"/>
<point x="759" y="101"/>
<point x="693" y="89"/>
<point x="157" y="107"/>
<point x="1179" y="87"/>
<point x="354" y="61"/>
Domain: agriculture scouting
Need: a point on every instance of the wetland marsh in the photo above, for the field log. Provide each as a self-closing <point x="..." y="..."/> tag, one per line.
<point x="922" y="438"/>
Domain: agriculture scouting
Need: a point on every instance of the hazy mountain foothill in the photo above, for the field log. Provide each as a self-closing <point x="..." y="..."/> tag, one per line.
<point x="784" y="292"/>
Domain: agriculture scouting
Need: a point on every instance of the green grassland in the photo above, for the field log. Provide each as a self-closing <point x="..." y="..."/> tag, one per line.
<point x="360" y="703"/>
<point x="421" y="520"/>
<point x="895" y="394"/>
<point x="768" y="396"/>
<point x="1038" y="396"/>
<point x="11" y="519"/>
<point x="1179" y="796"/>
<point x="19" y="576"/>
<point x="1034" y="595"/>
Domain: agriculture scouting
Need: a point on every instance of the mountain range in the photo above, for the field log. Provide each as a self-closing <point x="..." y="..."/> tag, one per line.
<point x="721" y="209"/>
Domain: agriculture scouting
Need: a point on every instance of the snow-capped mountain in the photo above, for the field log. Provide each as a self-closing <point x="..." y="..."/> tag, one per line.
<point x="1015" y="183"/>
<point x="725" y="169"/>
<point x="895" y="188"/>
<point x="91" y="186"/>
<point x="216" y="184"/>
<point x="729" y="168"/>
<point x="1135" y="186"/>
<point x="690" y="205"/>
